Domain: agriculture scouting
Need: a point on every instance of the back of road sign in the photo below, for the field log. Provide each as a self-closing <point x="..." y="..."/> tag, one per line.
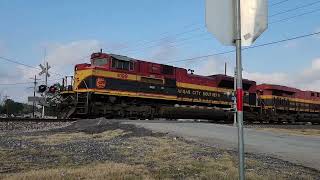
<point x="220" y="20"/>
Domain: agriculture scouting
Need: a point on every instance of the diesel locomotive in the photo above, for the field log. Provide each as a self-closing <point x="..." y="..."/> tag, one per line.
<point x="116" y="86"/>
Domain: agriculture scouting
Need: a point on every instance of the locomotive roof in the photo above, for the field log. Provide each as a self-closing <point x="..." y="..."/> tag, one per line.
<point x="230" y="78"/>
<point x="278" y="87"/>
<point x="120" y="57"/>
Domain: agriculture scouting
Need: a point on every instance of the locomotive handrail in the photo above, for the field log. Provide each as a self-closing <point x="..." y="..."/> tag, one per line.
<point x="85" y="84"/>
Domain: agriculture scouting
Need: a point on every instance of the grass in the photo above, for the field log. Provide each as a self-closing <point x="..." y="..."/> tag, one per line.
<point x="145" y="157"/>
<point x="107" y="170"/>
<point x="304" y="132"/>
<point x="59" y="138"/>
<point x="16" y="160"/>
<point x="174" y="159"/>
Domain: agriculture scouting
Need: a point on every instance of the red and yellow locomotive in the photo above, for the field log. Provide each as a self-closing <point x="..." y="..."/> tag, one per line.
<point x="119" y="86"/>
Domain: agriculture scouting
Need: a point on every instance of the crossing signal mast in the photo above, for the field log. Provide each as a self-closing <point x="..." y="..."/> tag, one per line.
<point x="34" y="95"/>
<point x="44" y="71"/>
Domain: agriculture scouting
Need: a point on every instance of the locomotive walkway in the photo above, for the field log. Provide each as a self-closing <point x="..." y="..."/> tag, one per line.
<point x="303" y="150"/>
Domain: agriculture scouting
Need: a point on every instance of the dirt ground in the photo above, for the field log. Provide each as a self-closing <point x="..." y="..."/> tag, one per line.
<point x="107" y="149"/>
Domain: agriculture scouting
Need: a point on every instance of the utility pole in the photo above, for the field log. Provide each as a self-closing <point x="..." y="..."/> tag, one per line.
<point x="34" y="95"/>
<point x="7" y="105"/>
<point x="45" y="93"/>
<point x="47" y="73"/>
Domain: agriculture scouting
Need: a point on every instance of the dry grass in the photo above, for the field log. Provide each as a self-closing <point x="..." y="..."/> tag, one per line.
<point x="105" y="170"/>
<point x="30" y="158"/>
<point x="146" y="157"/>
<point x="303" y="132"/>
<point x="175" y="159"/>
<point x="59" y="138"/>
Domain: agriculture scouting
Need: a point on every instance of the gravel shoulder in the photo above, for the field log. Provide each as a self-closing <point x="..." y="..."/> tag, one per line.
<point x="111" y="149"/>
<point x="297" y="149"/>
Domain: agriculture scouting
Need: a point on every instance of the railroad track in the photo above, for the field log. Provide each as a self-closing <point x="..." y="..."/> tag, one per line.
<point x="35" y="120"/>
<point x="251" y="125"/>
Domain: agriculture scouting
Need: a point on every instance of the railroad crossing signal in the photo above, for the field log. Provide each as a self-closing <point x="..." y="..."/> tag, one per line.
<point x="42" y="88"/>
<point x="44" y="70"/>
<point x="221" y="20"/>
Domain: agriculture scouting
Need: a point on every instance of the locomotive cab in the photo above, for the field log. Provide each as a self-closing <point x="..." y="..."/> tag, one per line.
<point x="100" y="59"/>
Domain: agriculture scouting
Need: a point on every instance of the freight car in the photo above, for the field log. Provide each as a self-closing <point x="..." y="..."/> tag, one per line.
<point x="119" y="86"/>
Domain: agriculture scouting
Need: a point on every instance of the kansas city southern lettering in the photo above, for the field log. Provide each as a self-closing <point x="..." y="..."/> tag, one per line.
<point x="211" y="94"/>
<point x="184" y="91"/>
<point x="190" y="92"/>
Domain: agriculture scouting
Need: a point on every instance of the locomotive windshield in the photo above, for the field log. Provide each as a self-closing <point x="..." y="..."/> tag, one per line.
<point x="100" y="62"/>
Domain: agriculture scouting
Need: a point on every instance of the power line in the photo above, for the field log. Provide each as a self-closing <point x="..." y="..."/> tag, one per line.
<point x="280" y="20"/>
<point x="198" y="28"/>
<point x="172" y="42"/>
<point x="150" y="41"/>
<point x="220" y="53"/>
<point x="17" y="62"/>
<point x="252" y="47"/>
<point x="278" y="3"/>
<point x="276" y="21"/>
<point x="166" y="37"/>
<point x="295" y="16"/>
<point x="296" y="8"/>
<point x="143" y="45"/>
<point x="23" y="64"/>
<point x="12" y="84"/>
<point x="215" y="54"/>
<point x="20" y="83"/>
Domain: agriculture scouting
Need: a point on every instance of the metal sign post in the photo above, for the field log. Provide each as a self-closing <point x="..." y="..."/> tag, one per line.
<point x="234" y="97"/>
<point x="239" y="91"/>
<point x="239" y="23"/>
<point x="34" y="96"/>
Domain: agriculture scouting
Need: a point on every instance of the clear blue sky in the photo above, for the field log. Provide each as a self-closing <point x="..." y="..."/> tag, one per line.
<point x="30" y="26"/>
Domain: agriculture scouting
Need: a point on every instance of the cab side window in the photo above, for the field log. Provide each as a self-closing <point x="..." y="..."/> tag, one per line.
<point x="122" y="65"/>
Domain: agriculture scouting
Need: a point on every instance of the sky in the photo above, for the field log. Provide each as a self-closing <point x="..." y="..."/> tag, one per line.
<point x="65" y="33"/>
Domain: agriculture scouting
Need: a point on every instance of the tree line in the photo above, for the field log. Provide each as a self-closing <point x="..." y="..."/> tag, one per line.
<point x="10" y="107"/>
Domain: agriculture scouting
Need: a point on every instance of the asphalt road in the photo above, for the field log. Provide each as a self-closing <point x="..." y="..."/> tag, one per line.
<point x="302" y="150"/>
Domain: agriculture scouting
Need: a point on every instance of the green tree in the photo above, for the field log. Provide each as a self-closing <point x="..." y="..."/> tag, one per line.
<point x="11" y="107"/>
